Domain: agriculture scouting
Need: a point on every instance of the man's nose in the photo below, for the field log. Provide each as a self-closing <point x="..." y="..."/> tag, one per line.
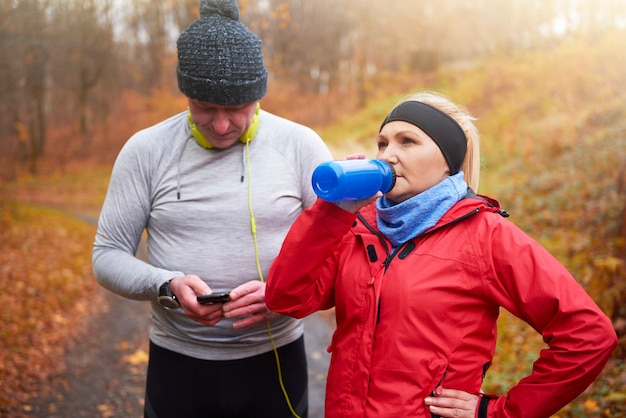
<point x="220" y="123"/>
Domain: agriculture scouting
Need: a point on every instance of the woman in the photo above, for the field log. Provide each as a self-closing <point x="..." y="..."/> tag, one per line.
<point x="417" y="277"/>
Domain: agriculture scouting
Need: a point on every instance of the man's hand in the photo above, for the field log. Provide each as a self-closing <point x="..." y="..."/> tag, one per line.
<point x="187" y="288"/>
<point x="248" y="302"/>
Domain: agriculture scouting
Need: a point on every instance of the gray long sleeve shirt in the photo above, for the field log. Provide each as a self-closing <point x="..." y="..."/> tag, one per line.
<point x="194" y="205"/>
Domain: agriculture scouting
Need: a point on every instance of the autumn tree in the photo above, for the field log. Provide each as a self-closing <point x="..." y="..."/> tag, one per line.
<point x="12" y="144"/>
<point x="82" y="41"/>
<point x="150" y="29"/>
<point x="23" y="59"/>
<point x="65" y="62"/>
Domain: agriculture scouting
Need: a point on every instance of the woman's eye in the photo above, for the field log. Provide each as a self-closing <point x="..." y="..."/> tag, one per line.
<point x="382" y="145"/>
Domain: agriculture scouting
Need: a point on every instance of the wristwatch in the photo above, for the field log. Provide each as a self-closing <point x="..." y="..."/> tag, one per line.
<point x="166" y="298"/>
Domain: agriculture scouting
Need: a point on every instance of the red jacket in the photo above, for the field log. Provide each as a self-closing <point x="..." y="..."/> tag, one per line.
<point x="426" y="315"/>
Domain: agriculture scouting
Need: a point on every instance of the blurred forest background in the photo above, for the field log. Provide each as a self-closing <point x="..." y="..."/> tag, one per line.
<point x="546" y="80"/>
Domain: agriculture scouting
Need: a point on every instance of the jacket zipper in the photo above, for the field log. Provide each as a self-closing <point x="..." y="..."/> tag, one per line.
<point x="386" y="263"/>
<point x="390" y="256"/>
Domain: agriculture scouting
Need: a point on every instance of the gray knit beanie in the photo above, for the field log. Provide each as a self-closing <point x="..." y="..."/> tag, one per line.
<point x="219" y="59"/>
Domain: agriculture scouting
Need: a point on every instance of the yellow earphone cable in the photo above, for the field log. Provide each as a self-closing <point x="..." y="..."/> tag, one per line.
<point x="258" y="265"/>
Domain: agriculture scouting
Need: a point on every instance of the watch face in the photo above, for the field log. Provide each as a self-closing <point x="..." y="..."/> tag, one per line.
<point x="168" y="302"/>
<point x="166" y="298"/>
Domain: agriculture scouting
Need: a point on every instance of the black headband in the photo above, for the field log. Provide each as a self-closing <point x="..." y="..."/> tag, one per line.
<point x="444" y="130"/>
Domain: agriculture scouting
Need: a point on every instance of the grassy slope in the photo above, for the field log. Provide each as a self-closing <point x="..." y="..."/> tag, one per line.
<point x="553" y="130"/>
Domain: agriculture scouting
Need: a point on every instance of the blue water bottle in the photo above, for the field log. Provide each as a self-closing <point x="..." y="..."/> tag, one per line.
<point x="352" y="179"/>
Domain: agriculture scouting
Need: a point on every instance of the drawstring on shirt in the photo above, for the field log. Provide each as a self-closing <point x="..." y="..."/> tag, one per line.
<point x="243" y="163"/>
<point x="180" y="157"/>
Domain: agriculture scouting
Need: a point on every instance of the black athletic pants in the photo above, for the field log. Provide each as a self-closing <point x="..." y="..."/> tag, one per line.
<point x="179" y="386"/>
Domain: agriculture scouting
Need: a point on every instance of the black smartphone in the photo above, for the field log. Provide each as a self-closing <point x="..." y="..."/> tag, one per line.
<point x="213" y="298"/>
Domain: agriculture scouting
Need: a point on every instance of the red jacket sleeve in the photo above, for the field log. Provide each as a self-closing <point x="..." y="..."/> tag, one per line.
<point x="301" y="279"/>
<point x="530" y="283"/>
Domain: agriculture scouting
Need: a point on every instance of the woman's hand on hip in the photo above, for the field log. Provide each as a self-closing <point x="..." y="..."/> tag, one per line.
<point x="452" y="403"/>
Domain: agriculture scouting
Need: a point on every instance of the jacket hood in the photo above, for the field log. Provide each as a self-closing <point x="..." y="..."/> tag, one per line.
<point x="469" y="205"/>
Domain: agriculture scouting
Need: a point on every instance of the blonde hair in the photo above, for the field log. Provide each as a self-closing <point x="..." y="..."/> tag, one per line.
<point x="471" y="163"/>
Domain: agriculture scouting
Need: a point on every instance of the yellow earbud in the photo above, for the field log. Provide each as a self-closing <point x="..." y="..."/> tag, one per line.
<point x="247" y="136"/>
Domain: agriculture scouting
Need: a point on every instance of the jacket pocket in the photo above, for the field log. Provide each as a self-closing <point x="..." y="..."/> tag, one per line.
<point x="440" y="383"/>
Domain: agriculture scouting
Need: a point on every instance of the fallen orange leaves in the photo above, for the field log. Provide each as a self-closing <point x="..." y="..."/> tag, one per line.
<point x="46" y="269"/>
<point x="137" y="358"/>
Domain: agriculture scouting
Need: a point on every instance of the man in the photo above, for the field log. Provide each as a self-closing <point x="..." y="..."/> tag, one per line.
<point x="216" y="188"/>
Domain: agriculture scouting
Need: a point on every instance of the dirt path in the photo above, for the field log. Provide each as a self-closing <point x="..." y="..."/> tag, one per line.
<point x="105" y="374"/>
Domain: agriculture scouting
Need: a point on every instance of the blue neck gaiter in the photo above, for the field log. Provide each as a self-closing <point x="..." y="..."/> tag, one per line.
<point x="400" y="222"/>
